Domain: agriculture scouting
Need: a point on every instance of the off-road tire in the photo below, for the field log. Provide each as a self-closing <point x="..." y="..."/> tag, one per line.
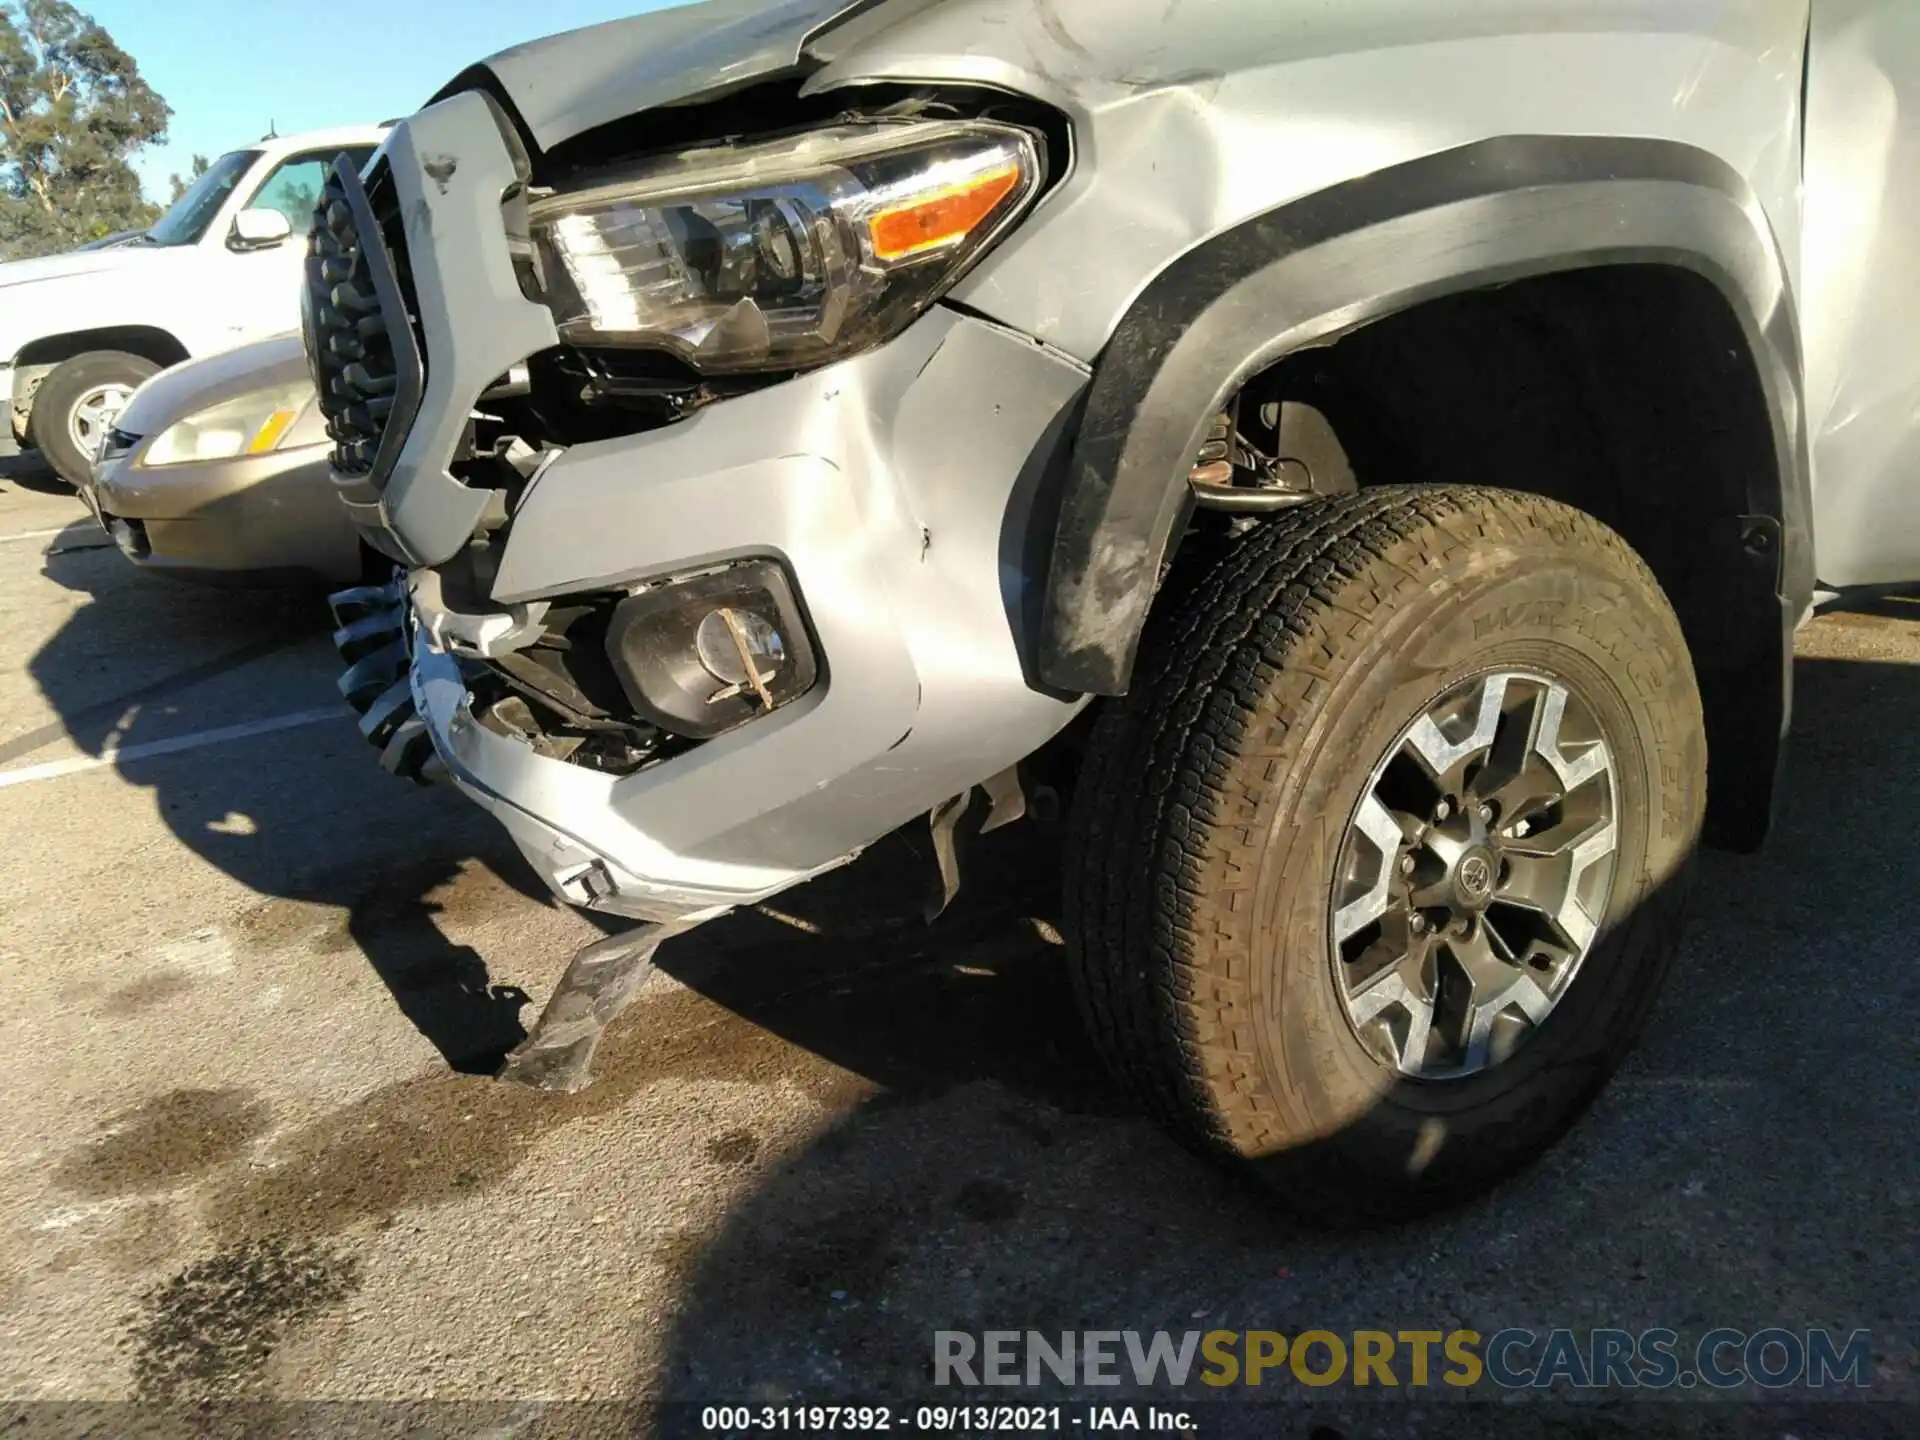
<point x="65" y="386"/>
<point x="1216" y="792"/>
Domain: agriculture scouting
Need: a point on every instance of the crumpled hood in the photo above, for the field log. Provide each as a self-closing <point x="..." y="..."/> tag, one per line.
<point x="573" y="82"/>
<point x="64" y="267"/>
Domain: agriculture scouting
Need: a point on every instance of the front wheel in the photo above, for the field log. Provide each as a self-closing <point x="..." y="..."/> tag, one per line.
<point x="77" y="404"/>
<point x="1376" y="871"/>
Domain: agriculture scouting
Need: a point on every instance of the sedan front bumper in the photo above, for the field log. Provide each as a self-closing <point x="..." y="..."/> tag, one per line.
<point x="260" y="520"/>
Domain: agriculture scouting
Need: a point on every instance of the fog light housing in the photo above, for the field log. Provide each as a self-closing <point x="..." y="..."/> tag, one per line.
<point x="700" y="657"/>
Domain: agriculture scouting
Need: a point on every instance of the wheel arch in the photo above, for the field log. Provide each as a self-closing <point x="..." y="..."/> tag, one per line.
<point x="1333" y="264"/>
<point x="149" y="342"/>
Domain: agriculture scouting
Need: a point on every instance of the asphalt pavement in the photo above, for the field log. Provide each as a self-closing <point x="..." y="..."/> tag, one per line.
<point x="253" y="988"/>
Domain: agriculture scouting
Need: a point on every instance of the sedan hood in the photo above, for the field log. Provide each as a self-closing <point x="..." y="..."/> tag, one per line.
<point x="194" y="385"/>
<point x="573" y="82"/>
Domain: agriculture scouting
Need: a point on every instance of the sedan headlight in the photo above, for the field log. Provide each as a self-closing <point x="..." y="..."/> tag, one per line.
<point x="783" y="254"/>
<point x="251" y="424"/>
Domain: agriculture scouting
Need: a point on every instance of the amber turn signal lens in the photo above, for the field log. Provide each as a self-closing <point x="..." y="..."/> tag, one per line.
<point x="269" y="434"/>
<point x="940" y="218"/>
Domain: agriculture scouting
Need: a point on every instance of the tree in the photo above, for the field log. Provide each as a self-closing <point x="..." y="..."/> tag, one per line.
<point x="74" y="110"/>
<point x="179" y="185"/>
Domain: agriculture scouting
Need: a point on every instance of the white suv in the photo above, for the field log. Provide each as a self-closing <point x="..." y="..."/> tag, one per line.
<point x="79" y="332"/>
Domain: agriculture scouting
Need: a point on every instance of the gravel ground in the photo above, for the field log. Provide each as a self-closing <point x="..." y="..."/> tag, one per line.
<point x="252" y="1159"/>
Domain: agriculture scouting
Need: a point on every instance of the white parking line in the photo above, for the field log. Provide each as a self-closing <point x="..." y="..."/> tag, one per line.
<point x="40" y="534"/>
<point x="112" y="755"/>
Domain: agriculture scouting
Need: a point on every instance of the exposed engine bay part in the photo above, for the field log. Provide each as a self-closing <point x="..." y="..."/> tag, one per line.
<point x="371" y="638"/>
<point x="560" y="696"/>
<point x="600" y="982"/>
<point x="609" y="681"/>
<point x="538" y="671"/>
<point x="1006" y="802"/>
<point x="530" y="693"/>
<point x="516" y="382"/>
<point x="1302" y="460"/>
<point x="488" y="634"/>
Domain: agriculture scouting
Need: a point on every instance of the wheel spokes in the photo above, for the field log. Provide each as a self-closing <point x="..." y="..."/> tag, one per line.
<point x="1442" y="754"/>
<point x="1510" y="754"/>
<point x="90" y="419"/>
<point x="1475" y="874"/>
<point x="1378" y="825"/>
<point x="1587" y="760"/>
<point x="1494" y="1018"/>
<point x="1550" y="882"/>
<point x="1401" y="987"/>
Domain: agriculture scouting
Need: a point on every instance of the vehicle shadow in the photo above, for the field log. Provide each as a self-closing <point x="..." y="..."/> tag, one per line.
<point x="1752" y="1164"/>
<point x="342" y="854"/>
<point x="30" y="472"/>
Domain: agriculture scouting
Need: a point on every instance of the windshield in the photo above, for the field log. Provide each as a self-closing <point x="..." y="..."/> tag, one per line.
<point x="188" y="217"/>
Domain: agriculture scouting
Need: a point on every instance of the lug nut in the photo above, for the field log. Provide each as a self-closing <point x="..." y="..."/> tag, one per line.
<point x="1443" y="810"/>
<point x="1406" y="864"/>
<point x="1418" y="923"/>
<point x="1486" y="814"/>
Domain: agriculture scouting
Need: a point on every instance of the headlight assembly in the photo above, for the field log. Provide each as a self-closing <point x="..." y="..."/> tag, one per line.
<point x="784" y="254"/>
<point x="251" y="424"/>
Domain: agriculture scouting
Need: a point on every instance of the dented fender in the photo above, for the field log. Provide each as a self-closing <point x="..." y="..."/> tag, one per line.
<point x="1306" y="273"/>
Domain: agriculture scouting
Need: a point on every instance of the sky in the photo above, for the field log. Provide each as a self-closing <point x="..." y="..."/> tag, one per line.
<point x="231" y="67"/>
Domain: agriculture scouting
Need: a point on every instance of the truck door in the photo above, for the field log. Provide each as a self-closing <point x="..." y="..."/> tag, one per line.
<point x="267" y="282"/>
<point x="1860" y="288"/>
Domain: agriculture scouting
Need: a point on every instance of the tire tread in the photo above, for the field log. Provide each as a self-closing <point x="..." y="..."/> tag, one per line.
<point x="1160" y="869"/>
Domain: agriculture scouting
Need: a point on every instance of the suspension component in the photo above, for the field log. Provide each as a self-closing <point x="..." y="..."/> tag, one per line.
<point x="1232" y="474"/>
<point x="1213" y="467"/>
<point x="1225" y="456"/>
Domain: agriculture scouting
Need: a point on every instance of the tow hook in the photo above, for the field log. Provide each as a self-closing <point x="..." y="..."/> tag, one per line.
<point x="371" y="635"/>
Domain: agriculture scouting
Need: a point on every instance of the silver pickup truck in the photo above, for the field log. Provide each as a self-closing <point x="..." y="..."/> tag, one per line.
<point x="1368" y="455"/>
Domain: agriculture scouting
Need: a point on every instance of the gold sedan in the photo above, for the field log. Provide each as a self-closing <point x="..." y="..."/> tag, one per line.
<point x="216" y="471"/>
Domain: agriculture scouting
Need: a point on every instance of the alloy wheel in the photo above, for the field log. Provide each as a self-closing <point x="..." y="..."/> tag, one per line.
<point x="93" y="416"/>
<point x="1470" y="883"/>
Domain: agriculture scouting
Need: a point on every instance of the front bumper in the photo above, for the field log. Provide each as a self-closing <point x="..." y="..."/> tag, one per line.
<point x="267" y="519"/>
<point x="898" y="489"/>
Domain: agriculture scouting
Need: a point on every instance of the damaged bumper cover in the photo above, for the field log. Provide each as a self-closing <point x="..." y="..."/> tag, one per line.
<point x="893" y="490"/>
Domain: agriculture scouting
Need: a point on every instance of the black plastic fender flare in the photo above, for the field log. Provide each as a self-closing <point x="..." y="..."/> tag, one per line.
<point x="1303" y="275"/>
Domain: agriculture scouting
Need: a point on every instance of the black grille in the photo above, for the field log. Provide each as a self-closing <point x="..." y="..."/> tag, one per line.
<point x="361" y="343"/>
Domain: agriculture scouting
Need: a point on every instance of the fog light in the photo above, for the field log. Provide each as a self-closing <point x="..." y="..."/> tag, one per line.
<point x="740" y="649"/>
<point x="699" y="657"/>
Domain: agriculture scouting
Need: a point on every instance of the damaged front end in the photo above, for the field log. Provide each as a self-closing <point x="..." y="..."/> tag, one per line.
<point x="714" y="529"/>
